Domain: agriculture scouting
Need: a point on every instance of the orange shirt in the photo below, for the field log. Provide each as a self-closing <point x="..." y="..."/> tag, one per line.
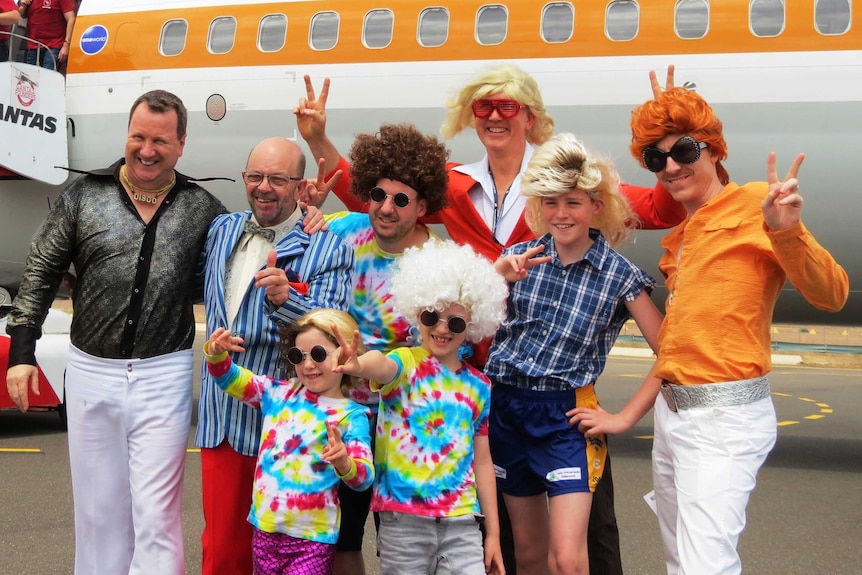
<point x="724" y="271"/>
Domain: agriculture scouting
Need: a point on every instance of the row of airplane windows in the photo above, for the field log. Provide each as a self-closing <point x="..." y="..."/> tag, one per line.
<point x="622" y="18"/>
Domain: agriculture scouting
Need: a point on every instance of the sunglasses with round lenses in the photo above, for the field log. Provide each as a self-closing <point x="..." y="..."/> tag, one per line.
<point x="276" y="181"/>
<point x="506" y="108"/>
<point x="379" y="195"/>
<point x="318" y="353"/>
<point x="686" y="150"/>
<point x="455" y="323"/>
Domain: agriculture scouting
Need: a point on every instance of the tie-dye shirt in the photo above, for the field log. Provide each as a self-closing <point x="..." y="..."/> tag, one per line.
<point x="424" y="445"/>
<point x="382" y="328"/>
<point x="295" y="490"/>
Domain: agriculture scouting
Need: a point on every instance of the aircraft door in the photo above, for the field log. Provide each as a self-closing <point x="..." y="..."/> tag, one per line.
<point x="33" y="137"/>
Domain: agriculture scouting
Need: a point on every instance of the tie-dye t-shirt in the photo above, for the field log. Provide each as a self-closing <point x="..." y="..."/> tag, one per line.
<point x="382" y="328"/>
<point x="295" y="490"/>
<point x="424" y="445"/>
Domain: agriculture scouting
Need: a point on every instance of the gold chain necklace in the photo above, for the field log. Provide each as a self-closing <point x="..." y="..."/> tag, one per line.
<point x="140" y="197"/>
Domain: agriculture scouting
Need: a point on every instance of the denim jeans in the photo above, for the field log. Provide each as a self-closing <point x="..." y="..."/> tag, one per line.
<point x="47" y="60"/>
<point x="417" y="544"/>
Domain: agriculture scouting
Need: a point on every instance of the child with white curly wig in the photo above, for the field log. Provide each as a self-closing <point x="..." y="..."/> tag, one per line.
<point x="433" y="464"/>
<point x="565" y="310"/>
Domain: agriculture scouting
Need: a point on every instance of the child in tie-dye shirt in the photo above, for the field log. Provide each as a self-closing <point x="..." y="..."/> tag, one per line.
<point x="313" y="438"/>
<point x="434" y="473"/>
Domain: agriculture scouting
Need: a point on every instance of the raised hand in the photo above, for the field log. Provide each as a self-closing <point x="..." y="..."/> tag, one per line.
<point x="335" y="451"/>
<point x="656" y="87"/>
<point x="348" y="360"/>
<point x="274" y="281"/>
<point x="222" y="340"/>
<point x="311" y="112"/>
<point x="514" y="267"/>
<point x="782" y="206"/>
<point x="314" y="191"/>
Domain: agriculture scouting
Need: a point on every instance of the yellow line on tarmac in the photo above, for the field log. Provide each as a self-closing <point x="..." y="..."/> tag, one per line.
<point x="19" y="450"/>
<point x="784" y="423"/>
<point x="193" y="450"/>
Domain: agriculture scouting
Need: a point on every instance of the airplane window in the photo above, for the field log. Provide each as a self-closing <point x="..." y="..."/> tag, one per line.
<point x="491" y="24"/>
<point x="691" y="19"/>
<point x="173" y="38"/>
<point x="323" y="33"/>
<point x="222" y="35"/>
<point x="433" y="27"/>
<point x="377" y="29"/>
<point x="558" y="22"/>
<point x="832" y="17"/>
<point x="766" y="17"/>
<point x="622" y="19"/>
<point x="272" y="33"/>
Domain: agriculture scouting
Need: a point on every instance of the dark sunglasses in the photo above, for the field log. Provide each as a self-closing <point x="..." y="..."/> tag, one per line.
<point x="686" y="150"/>
<point x="506" y="108"/>
<point x="318" y="354"/>
<point x="379" y="195"/>
<point x="455" y="323"/>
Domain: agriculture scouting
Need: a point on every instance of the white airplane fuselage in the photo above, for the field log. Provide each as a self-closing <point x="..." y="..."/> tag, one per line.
<point x="800" y="93"/>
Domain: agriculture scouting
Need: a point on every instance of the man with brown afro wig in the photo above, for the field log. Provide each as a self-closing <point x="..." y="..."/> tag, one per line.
<point x="401" y="174"/>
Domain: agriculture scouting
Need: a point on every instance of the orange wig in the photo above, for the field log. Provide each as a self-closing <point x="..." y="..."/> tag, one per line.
<point x="678" y="111"/>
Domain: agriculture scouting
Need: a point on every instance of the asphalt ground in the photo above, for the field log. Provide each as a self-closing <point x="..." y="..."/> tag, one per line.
<point x="805" y="516"/>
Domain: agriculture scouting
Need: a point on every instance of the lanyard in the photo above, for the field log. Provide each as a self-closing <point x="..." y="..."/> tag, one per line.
<point x="498" y="209"/>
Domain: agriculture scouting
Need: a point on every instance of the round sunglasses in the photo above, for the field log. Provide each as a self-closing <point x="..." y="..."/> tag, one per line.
<point x="455" y="323"/>
<point x="686" y="150"/>
<point x="379" y="195"/>
<point x="318" y="353"/>
<point x="507" y="108"/>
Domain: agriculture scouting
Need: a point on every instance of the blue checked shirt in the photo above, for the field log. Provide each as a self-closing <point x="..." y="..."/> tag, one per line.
<point x="561" y="322"/>
<point x="323" y="261"/>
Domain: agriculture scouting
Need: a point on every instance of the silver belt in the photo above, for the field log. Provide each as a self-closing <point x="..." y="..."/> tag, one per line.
<point x="725" y="394"/>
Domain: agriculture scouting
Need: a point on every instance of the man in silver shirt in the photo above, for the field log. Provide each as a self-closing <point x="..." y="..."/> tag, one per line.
<point x="134" y="232"/>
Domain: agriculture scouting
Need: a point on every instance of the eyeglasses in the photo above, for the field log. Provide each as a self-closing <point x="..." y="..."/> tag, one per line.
<point x="379" y="195"/>
<point x="507" y="108"/>
<point x="686" y="150"/>
<point x="276" y="181"/>
<point x="318" y="353"/>
<point x="455" y="323"/>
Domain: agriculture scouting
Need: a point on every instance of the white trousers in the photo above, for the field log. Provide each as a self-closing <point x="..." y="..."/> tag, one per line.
<point x="705" y="462"/>
<point x="128" y="430"/>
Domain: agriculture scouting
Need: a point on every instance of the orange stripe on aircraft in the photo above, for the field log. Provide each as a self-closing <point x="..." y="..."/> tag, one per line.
<point x="134" y="36"/>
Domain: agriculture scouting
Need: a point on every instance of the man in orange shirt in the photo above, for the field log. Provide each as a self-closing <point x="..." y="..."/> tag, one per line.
<point x="724" y="268"/>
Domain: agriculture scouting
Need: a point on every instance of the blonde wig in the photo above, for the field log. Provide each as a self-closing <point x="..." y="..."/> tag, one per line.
<point x="562" y="165"/>
<point x="322" y="319"/>
<point x="441" y="273"/>
<point x="509" y="80"/>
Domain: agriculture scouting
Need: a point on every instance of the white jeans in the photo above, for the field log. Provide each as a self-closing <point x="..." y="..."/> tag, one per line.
<point x="128" y="430"/>
<point x="705" y="461"/>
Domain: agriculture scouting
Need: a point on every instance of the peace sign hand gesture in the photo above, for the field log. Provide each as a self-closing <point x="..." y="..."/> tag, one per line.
<point x="782" y="206"/>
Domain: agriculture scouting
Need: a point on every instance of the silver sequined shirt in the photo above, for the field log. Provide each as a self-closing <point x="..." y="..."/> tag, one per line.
<point x="136" y="282"/>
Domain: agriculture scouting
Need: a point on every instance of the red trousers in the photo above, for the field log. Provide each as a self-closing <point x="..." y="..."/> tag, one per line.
<point x="227" y="478"/>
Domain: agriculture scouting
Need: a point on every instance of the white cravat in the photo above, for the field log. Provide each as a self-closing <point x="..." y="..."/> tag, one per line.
<point x="249" y="257"/>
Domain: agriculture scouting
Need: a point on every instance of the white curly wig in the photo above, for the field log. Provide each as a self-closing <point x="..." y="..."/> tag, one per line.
<point x="441" y="273"/>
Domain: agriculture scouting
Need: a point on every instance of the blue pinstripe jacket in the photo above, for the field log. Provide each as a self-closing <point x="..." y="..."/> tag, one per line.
<point x="321" y="260"/>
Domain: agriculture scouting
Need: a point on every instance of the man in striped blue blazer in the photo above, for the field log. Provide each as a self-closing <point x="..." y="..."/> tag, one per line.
<point x="262" y="270"/>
